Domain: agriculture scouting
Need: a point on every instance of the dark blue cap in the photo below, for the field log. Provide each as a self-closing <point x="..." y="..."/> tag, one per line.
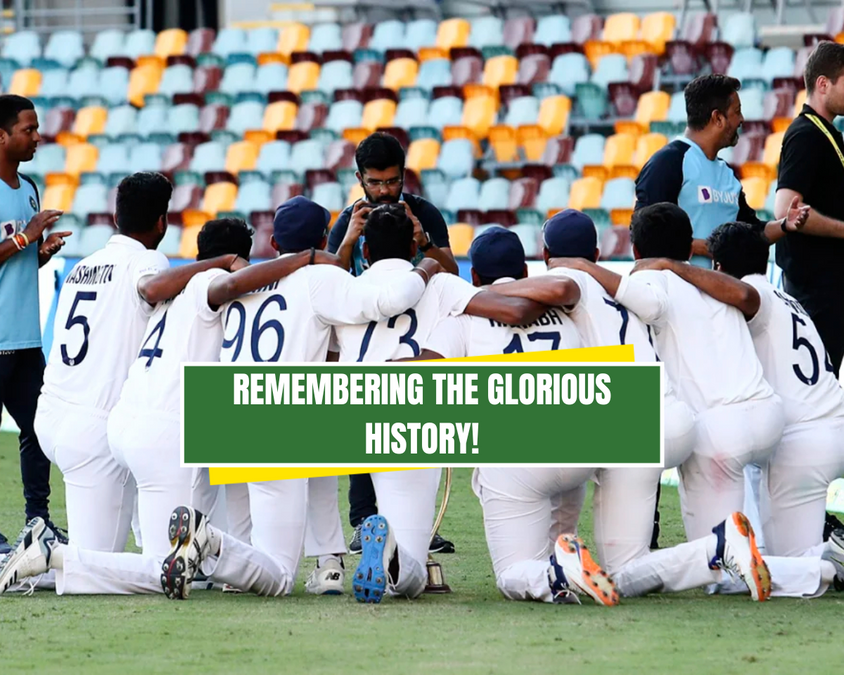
<point x="570" y="234"/>
<point x="300" y="224"/>
<point x="497" y="252"/>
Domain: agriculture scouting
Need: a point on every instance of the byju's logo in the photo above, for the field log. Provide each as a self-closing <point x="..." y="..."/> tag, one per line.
<point x="704" y="195"/>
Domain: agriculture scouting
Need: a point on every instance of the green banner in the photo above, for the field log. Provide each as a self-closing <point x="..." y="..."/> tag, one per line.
<point x="422" y="414"/>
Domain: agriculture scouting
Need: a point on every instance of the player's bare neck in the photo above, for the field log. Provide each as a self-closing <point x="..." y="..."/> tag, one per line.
<point x="9" y="173"/>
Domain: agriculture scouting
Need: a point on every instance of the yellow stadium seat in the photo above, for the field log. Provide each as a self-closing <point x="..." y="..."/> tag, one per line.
<point x="646" y="146"/>
<point x="400" y="73"/>
<point x="58" y="197"/>
<point x="623" y="171"/>
<point x="799" y="102"/>
<point x="355" y="193"/>
<point x="58" y="178"/>
<point x="257" y="136"/>
<point x="773" y="147"/>
<point x="187" y="245"/>
<point x="585" y="193"/>
<point x="621" y="217"/>
<point x="652" y="107"/>
<point x="657" y="29"/>
<point x="532" y="138"/>
<point x="599" y="171"/>
<point x="355" y="134"/>
<point x="554" y="114"/>
<point x="142" y="81"/>
<point x="194" y="217"/>
<point x="294" y="38"/>
<point x="479" y="115"/>
<point x="242" y="156"/>
<point x="619" y="150"/>
<point x="170" y="42"/>
<point x="500" y="70"/>
<point x="219" y="197"/>
<point x="595" y="50"/>
<point x="453" y="33"/>
<point x="475" y="90"/>
<point x="621" y="27"/>
<point x="378" y="113"/>
<point x="756" y="191"/>
<point x="503" y="141"/>
<point x="422" y="154"/>
<point x="81" y="158"/>
<point x="151" y="60"/>
<point x="25" y="82"/>
<point x="302" y="76"/>
<point x="460" y="237"/>
<point x="758" y="170"/>
<point x="631" y="48"/>
<point x="90" y="120"/>
<point x="280" y="116"/>
<point x="431" y="53"/>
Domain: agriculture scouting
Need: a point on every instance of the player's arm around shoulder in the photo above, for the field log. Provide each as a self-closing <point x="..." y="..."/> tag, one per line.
<point x="551" y="290"/>
<point x="164" y="285"/>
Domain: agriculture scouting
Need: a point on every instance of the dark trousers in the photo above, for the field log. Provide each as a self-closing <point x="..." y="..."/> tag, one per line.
<point x="362" y="502"/>
<point x="21" y="377"/>
<point x="826" y="307"/>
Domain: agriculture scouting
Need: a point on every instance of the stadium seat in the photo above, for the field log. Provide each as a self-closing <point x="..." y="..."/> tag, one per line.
<point x="22" y="46"/>
<point x="422" y="154"/>
<point x="293" y="38"/>
<point x="463" y="194"/>
<point x="621" y="27"/>
<point x="378" y="113"/>
<point x="755" y="191"/>
<point x="677" y="108"/>
<point x="487" y="31"/>
<point x="171" y="42"/>
<point x="533" y="68"/>
<point x="262" y="40"/>
<point x="90" y="120"/>
<point x="592" y="100"/>
<point x="58" y="197"/>
<point x="334" y="75"/>
<point x="241" y="156"/>
<point x="303" y="76"/>
<point x="25" y="82"/>
<point x="523" y="192"/>
<point x="779" y="62"/>
<point x="552" y="29"/>
<point x="619" y="150"/>
<point x="500" y="70"/>
<point x="274" y="156"/>
<point x="143" y="80"/>
<point x="411" y="113"/>
<point x="453" y="33"/>
<point x="107" y="43"/>
<point x="93" y="238"/>
<point x="145" y="157"/>
<point x="653" y="106"/>
<point x="588" y="150"/>
<point x="400" y="73"/>
<point x="306" y="155"/>
<point x="209" y="156"/>
<point x="553" y="114"/>
<point x="343" y="115"/>
<point x="773" y="147"/>
<point x="519" y="30"/>
<point x="184" y="118"/>
<point x="245" y="116"/>
<point x="188" y="247"/>
<point x="615" y="244"/>
<point x="494" y="195"/>
<point x="568" y="70"/>
<point x="176" y="79"/>
<point x="270" y="77"/>
<point x="90" y="198"/>
<point x="388" y="35"/>
<point x="138" y="43"/>
<point x="740" y="30"/>
<point x="237" y="78"/>
<point x="446" y="111"/>
<point x="219" y="197"/>
<point x="746" y="63"/>
<point x="479" y="115"/>
<point x="611" y="68"/>
<point x="646" y="146"/>
<point x="619" y="193"/>
<point x="434" y="73"/>
<point x="553" y="194"/>
<point x="657" y="29"/>
<point x="230" y="41"/>
<point x="81" y="158"/>
<point x="466" y="70"/>
<point x="752" y="104"/>
<point x="325" y="37"/>
<point x="460" y="238"/>
<point x="65" y="47"/>
<point x="329" y="196"/>
<point x="53" y="83"/>
<point x="114" y="85"/>
<point x="531" y="237"/>
<point x="121" y="120"/>
<point x="280" y="115"/>
<point x="420" y="33"/>
<point x="254" y="196"/>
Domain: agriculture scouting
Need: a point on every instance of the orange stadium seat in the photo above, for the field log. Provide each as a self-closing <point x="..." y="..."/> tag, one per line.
<point x="171" y="42"/>
<point x="219" y="197"/>
<point x="355" y="134"/>
<point x="595" y="50"/>
<point x="554" y="114"/>
<point x="187" y="246"/>
<point x="532" y="138"/>
<point x="355" y="193"/>
<point x="378" y="113"/>
<point x="401" y="73"/>
<point x="479" y="115"/>
<point x="503" y="141"/>
<point x="143" y="80"/>
<point x="500" y="70"/>
<point x="422" y="154"/>
<point x="585" y="193"/>
<point x="431" y="53"/>
<point x="293" y="38"/>
<point x="280" y="116"/>
<point x="652" y="107"/>
<point x="460" y="237"/>
<point x="90" y="120"/>
<point x="657" y="29"/>
<point x="25" y="82"/>
<point x="242" y="156"/>
<point x="81" y="158"/>
<point x="646" y="146"/>
<point x="756" y="191"/>
<point x="258" y="136"/>
<point x="303" y="76"/>
<point x="453" y="33"/>
<point x="58" y="197"/>
<point x="619" y="150"/>
<point x="621" y="27"/>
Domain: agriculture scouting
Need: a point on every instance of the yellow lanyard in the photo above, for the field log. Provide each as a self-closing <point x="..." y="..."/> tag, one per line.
<point x="820" y="125"/>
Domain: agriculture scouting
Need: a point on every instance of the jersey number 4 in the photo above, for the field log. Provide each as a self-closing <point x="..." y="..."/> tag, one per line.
<point x="74" y="319"/>
<point x="155" y="351"/>
<point x="258" y="329"/>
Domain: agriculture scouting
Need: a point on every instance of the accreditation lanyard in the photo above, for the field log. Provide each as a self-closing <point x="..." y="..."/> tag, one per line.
<point x="820" y="125"/>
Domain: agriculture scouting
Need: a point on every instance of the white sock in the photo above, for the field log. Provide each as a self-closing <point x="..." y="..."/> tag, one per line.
<point x="57" y="557"/>
<point x="827" y="572"/>
<point x="321" y="560"/>
<point x="215" y="540"/>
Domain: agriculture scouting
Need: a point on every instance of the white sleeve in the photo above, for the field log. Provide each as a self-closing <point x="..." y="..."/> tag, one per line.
<point x="198" y="287"/>
<point x="453" y="294"/>
<point x="645" y="294"/>
<point x="146" y="264"/>
<point x="762" y="319"/>
<point x="450" y="337"/>
<point x="340" y="299"/>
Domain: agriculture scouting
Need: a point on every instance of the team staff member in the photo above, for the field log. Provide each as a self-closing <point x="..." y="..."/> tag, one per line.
<point x="22" y="252"/>
<point x="689" y="173"/>
<point x="812" y="170"/>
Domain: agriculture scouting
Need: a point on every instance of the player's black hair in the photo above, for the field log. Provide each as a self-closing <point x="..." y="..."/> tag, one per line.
<point x="827" y="60"/>
<point x="222" y="237"/>
<point x="142" y="198"/>
<point x="388" y="232"/>
<point x="740" y="248"/>
<point x="10" y="107"/>
<point x="486" y="281"/>
<point x="662" y="231"/>
<point x="379" y="151"/>
<point x="705" y="94"/>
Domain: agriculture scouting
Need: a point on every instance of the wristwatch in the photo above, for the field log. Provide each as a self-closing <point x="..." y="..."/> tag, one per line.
<point x="428" y="245"/>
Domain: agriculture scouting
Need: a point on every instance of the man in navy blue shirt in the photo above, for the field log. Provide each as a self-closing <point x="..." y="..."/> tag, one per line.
<point x="22" y="252"/>
<point x="689" y="173"/>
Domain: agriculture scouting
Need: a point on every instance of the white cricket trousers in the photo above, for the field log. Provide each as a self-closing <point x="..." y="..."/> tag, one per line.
<point x="99" y="492"/>
<point x="795" y="483"/>
<point x="408" y="499"/>
<point x="324" y="531"/>
<point x="625" y="498"/>
<point x="729" y="437"/>
<point x="517" y="519"/>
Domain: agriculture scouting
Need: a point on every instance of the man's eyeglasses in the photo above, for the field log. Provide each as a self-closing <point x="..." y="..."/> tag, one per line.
<point x="390" y="182"/>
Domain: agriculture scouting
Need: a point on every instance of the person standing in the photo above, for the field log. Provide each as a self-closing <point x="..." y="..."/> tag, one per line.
<point x="812" y="170"/>
<point x="22" y="251"/>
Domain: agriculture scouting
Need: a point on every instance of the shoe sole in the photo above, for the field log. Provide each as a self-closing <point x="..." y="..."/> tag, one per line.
<point x="8" y="573"/>
<point x="760" y="576"/>
<point x="370" y="580"/>
<point x="174" y="570"/>
<point x="593" y="580"/>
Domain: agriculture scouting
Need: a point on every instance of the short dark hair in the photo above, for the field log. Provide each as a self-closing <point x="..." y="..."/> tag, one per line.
<point x="142" y="198"/>
<point x="662" y="231"/>
<point x="827" y="60"/>
<point x="10" y="107"/>
<point x="488" y="281"/>
<point x="705" y="94"/>
<point x="740" y="248"/>
<point x="224" y="236"/>
<point x="379" y="151"/>
<point x="388" y="232"/>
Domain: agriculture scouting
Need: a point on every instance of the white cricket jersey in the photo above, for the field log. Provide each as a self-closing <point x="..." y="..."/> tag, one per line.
<point x="793" y="356"/>
<point x="460" y="336"/>
<point x="291" y="319"/>
<point x="403" y="334"/>
<point x="705" y="344"/>
<point x="100" y="320"/>
<point x="182" y="330"/>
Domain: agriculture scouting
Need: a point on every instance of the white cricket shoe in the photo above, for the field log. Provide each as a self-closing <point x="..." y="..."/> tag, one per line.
<point x="575" y="571"/>
<point x="737" y="554"/>
<point x="835" y="555"/>
<point x="189" y="547"/>
<point x="30" y="555"/>
<point x="326" y="579"/>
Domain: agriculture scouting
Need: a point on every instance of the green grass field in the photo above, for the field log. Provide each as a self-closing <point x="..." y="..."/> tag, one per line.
<point x="472" y="630"/>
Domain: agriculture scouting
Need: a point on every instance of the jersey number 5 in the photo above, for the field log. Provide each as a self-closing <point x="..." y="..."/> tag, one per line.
<point x="74" y="319"/>
<point x="797" y="342"/>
